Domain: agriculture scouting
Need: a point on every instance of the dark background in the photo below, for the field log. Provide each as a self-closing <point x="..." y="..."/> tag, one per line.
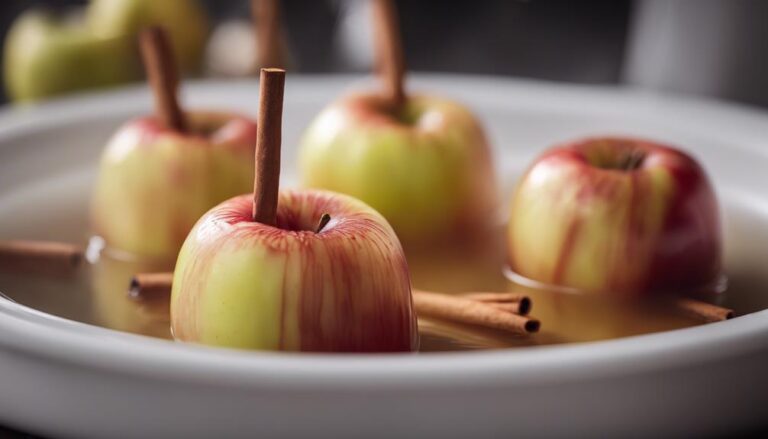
<point x="707" y="47"/>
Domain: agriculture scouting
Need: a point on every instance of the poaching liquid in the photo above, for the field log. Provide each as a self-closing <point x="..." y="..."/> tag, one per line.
<point x="97" y="293"/>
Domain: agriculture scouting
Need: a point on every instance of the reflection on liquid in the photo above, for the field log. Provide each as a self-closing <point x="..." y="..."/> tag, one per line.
<point x="113" y="308"/>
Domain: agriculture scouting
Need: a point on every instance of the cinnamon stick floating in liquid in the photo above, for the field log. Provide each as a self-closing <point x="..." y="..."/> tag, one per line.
<point x="463" y="310"/>
<point x="511" y="302"/>
<point x="43" y="257"/>
<point x="268" y="139"/>
<point x="160" y="65"/>
<point x="269" y="42"/>
<point x="703" y="311"/>
<point x="151" y="285"/>
<point x="389" y="51"/>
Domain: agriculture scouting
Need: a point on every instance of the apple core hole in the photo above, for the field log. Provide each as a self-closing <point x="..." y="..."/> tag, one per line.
<point x="407" y="115"/>
<point x="208" y="128"/>
<point x="296" y="224"/>
<point x="628" y="161"/>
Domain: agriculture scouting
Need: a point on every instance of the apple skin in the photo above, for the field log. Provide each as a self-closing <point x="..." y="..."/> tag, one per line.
<point x="578" y="221"/>
<point x="427" y="170"/>
<point x="45" y="56"/>
<point x="243" y="284"/>
<point x="155" y="183"/>
<point x="185" y="21"/>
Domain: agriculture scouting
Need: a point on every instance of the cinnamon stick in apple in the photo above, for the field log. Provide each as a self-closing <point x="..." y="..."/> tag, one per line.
<point x="464" y="310"/>
<point x="150" y="285"/>
<point x="161" y="69"/>
<point x="703" y="311"/>
<point x="389" y="50"/>
<point x="268" y="139"/>
<point x="269" y="42"/>
<point x="40" y="257"/>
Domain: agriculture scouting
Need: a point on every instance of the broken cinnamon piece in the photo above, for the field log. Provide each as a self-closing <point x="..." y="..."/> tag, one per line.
<point x="150" y="285"/>
<point x="703" y="311"/>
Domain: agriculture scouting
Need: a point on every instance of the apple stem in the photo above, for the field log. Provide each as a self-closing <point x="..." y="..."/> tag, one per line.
<point x="267" y="176"/>
<point x="633" y="160"/>
<point x="266" y="19"/>
<point x="160" y="66"/>
<point x="389" y="51"/>
<point x="323" y="222"/>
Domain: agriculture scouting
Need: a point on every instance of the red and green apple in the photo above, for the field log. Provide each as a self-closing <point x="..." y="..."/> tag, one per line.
<point x="243" y="284"/>
<point x="47" y="55"/>
<point x="185" y="21"/>
<point x="619" y="216"/>
<point x="154" y="183"/>
<point x="425" y="166"/>
<point x="421" y="160"/>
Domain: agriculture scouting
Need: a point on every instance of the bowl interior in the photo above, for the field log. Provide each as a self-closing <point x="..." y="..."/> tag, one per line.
<point x="50" y="154"/>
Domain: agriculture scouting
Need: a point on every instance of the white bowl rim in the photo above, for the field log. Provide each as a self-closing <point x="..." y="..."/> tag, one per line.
<point x="34" y="333"/>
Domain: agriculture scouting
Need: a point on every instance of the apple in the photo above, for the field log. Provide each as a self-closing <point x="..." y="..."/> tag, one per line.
<point x="619" y="216"/>
<point x="243" y="284"/>
<point x="426" y="167"/>
<point x="46" y="55"/>
<point x="292" y="270"/>
<point x="154" y="183"/>
<point x="185" y="20"/>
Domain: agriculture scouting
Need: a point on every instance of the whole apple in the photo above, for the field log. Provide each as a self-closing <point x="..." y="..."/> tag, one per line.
<point x="616" y="215"/>
<point x="185" y="21"/>
<point x="240" y="283"/>
<point x="46" y="55"/>
<point x="155" y="183"/>
<point x="426" y="168"/>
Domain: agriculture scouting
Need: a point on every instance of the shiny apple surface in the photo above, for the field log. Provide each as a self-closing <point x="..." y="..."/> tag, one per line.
<point x="346" y="288"/>
<point x="154" y="183"/>
<point x="616" y="215"/>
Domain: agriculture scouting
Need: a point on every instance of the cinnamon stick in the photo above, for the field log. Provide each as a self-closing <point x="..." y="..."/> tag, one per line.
<point x="40" y="257"/>
<point x="160" y="66"/>
<point x="463" y="310"/>
<point x="266" y="18"/>
<point x="703" y="311"/>
<point x="268" y="139"/>
<point x="150" y="285"/>
<point x="389" y="51"/>
<point x="512" y="302"/>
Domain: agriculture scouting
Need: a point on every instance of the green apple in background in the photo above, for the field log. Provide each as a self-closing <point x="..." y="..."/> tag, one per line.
<point x="46" y="55"/>
<point x="616" y="216"/>
<point x="155" y="183"/>
<point x="185" y="21"/>
<point x="427" y="168"/>
<point x="243" y="284"/>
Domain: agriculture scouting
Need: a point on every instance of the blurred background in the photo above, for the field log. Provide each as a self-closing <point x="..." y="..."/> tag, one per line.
<point x="707" y="47"/>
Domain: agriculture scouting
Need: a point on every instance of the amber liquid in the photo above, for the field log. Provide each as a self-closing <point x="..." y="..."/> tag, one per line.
<point x="97" y="294"/>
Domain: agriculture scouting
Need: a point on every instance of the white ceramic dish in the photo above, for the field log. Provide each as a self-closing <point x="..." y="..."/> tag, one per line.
<point x="63" y="378"/>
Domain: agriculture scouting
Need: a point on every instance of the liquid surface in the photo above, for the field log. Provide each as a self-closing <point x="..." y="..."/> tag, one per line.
<point x="97" y="293"/>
